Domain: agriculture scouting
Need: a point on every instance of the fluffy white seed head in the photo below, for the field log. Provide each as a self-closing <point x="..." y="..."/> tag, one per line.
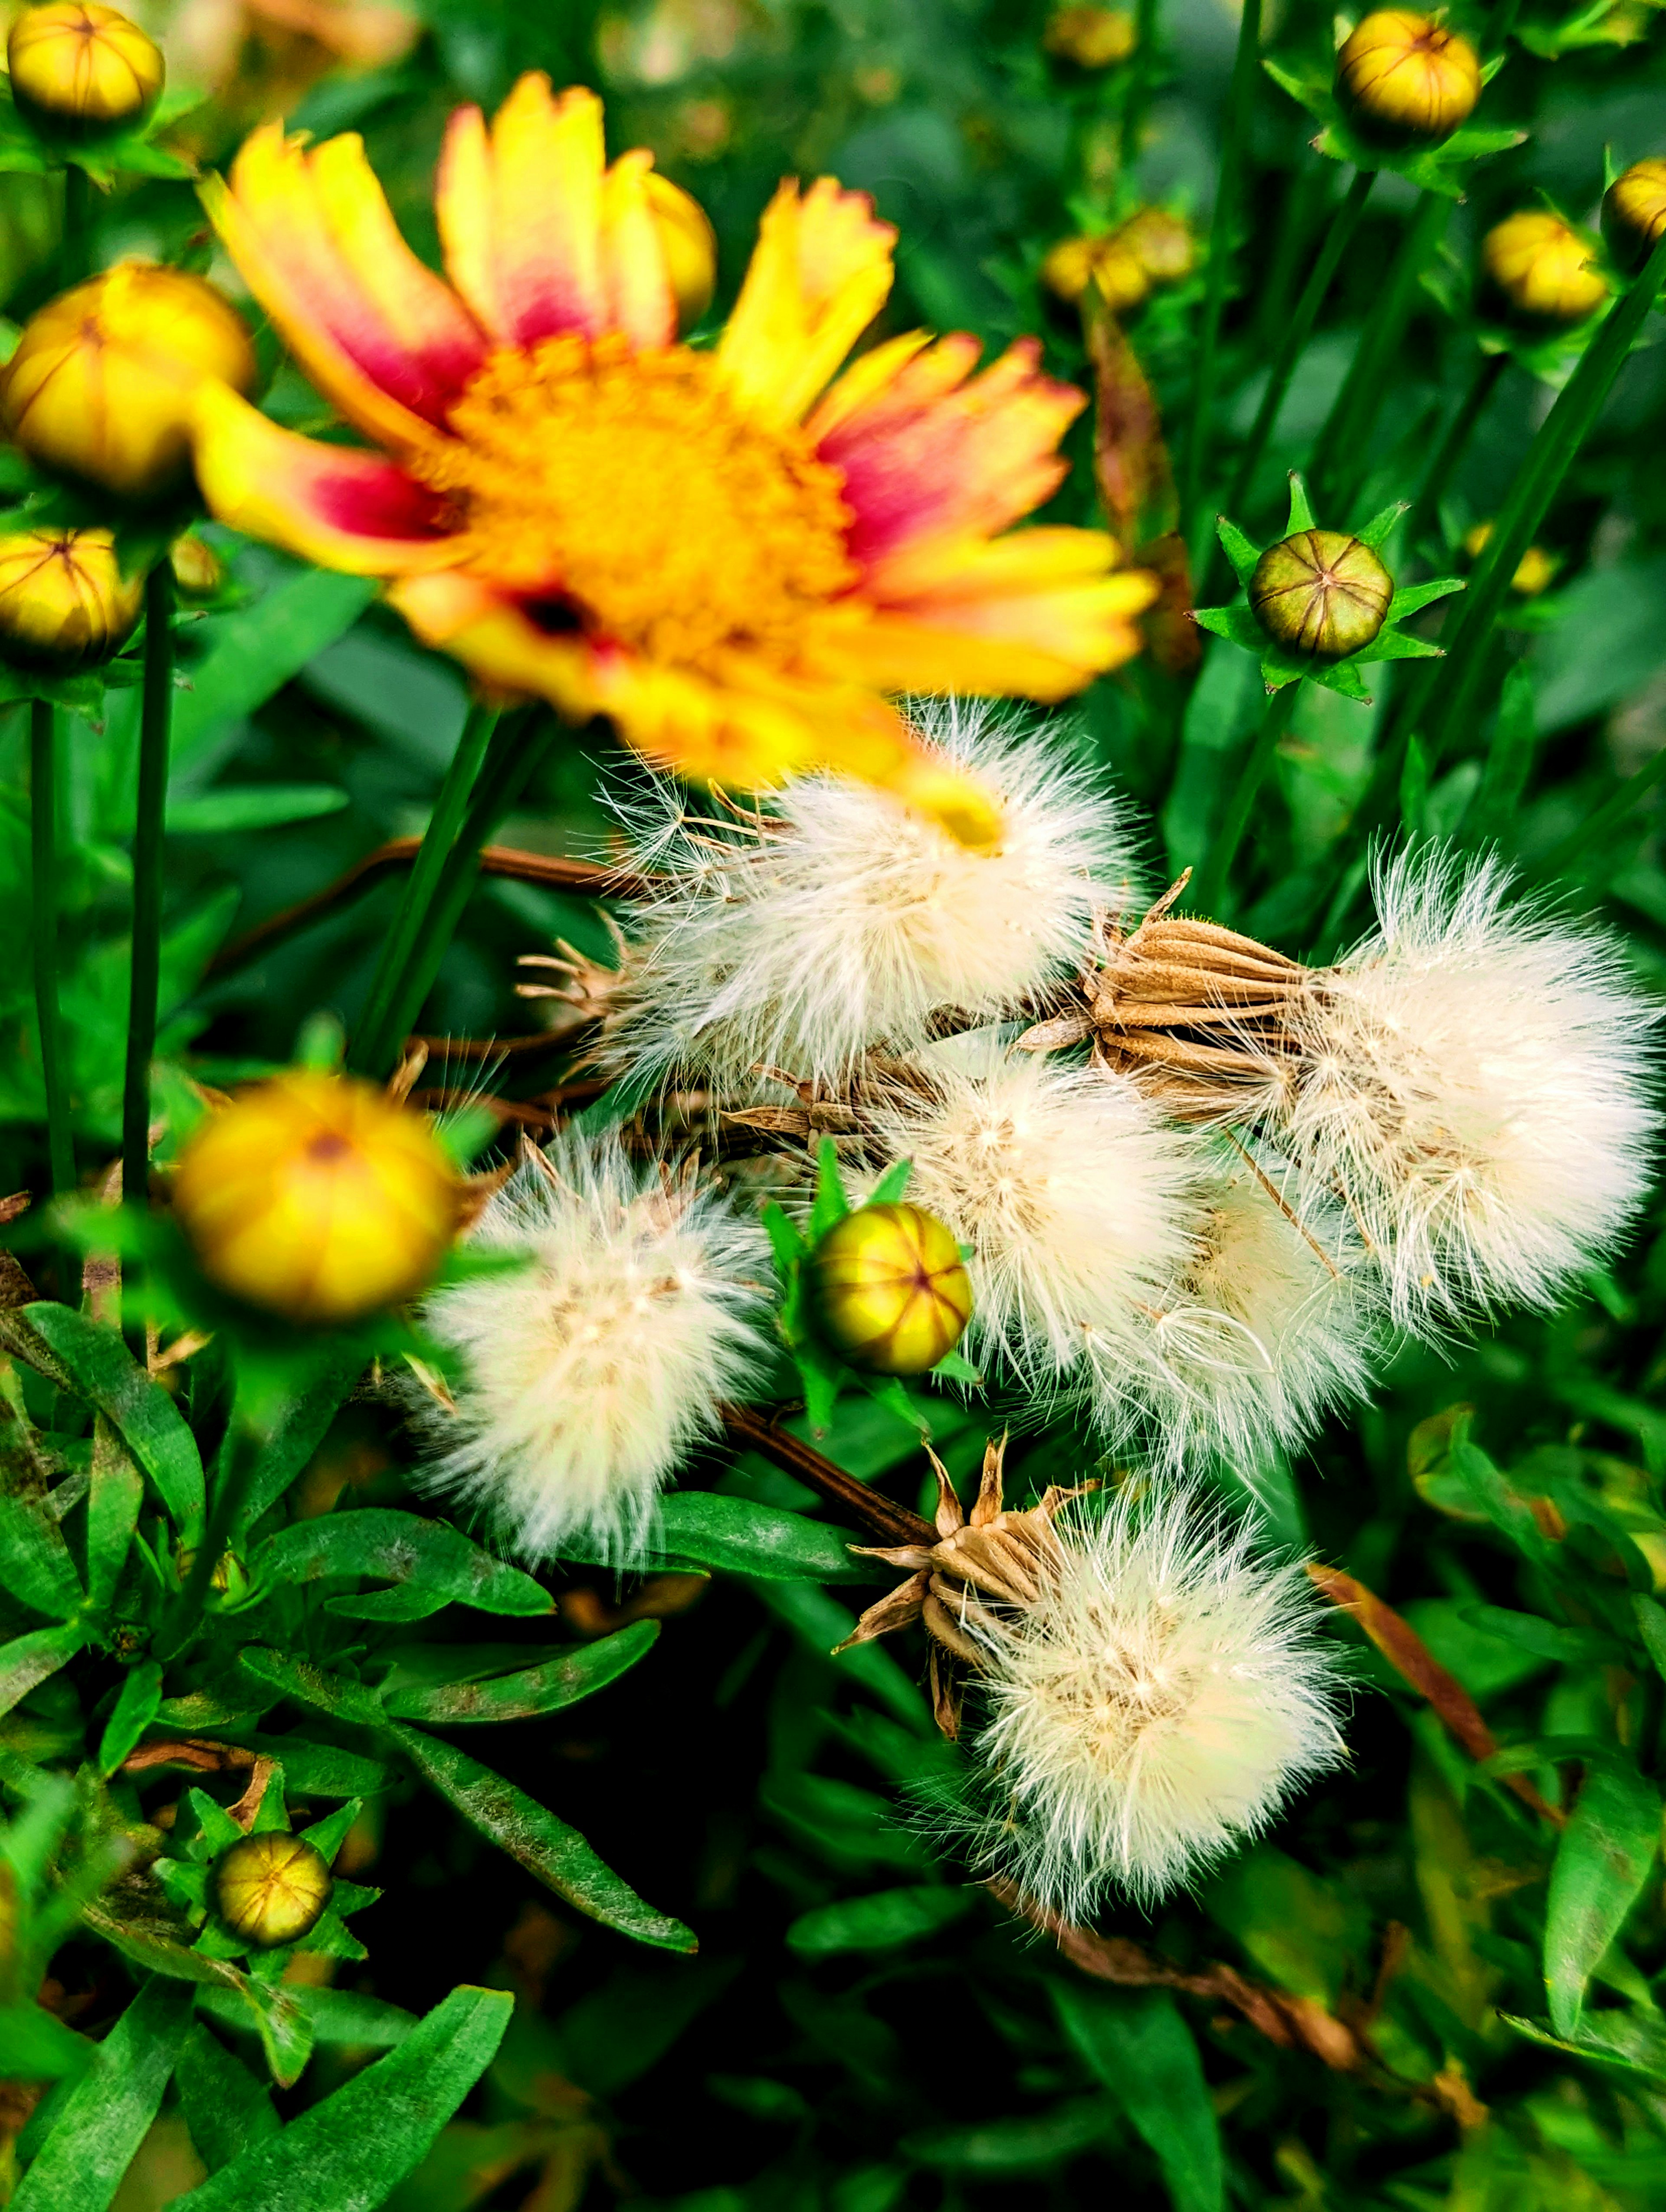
<point x="837" y="920"/>
<point x="584" y="1378"/>
<point x="1153" y="1711"/>
<point x="1271" y="1320"/>
<point x="1477" y="1081"/>
<point x="1077" y="1200"/>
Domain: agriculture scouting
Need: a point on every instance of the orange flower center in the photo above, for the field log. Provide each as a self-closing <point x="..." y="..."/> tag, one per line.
<point x="632" y="487"/>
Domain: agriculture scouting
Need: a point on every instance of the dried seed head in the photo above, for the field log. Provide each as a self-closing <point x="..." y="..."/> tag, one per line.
<point x="1321" y="592"/>
<point x="1540" y="272"/>
<point x="1634" y="212"/>
<point x="890" y="1290"/>
<point x="272" y="1888"/>
<point x="1405" y="79"/>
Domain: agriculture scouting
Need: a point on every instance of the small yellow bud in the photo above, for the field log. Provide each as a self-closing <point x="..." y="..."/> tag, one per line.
<point x="1405" y="80"/>
<point x="198" y="569"/>
<point x="1540" y="271"/>
<point x="1115" y="273"/>
<point x="102" y="381"/>
<point x="1067" y="268"/>
<point x="690" y="246"/>
<point x="64" y="604"/>
<point x="80" y="69"/>
<point x="890" y="1290"/>
<point x="1535" y="572"/>
<point x="230" y="1578"/>
<point x="1321" y="592"/>
<point x="314" y="1197"/>
<point x="1092" y="38"/>
<point x="1634" y="213"/>
<point x="272" y="1888"/>
<point x="1161" y="243"/>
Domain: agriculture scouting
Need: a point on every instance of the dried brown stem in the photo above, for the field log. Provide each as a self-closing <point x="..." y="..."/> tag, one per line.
<point x="881" y="1515"/>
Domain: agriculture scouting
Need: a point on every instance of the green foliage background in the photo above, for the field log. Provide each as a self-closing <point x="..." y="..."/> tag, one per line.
<point x="859" y="2031"/>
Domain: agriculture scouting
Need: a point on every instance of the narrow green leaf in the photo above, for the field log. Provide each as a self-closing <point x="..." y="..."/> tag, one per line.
<point x="249" y="806"/>
<point x="544" y="1689"/>
<point x="757" y="1539"/>
<point x="882" y="1922"/>
<point x="351" y="2016"/>
<point x="1410" y="596"/>
<point x="105" y="1372"/>
<point x="849" y="1827"/>
<point x="1602" y="1863"/>
<point x="271" y="2012"/>
<point x="1237" y="549"/>
<point x="1301" y="511"/>
<point x="28" y="1660"/>
<point x="102" y="2121"/>
<point x="1651" y="1627"/>
<point x="1546" y="1639"/>
<point x="312" y="1686"/>
<point x="345" y="2154"/>
<point x="892" y="1184"/>
<point x="1137" y="2043"/>
<point x="35" y="1565"/>
<point x="256" y="650"/>
<point x="439" y="1565"/>
<point x="323" y="1770"/>
<point x="611" y="2038"/>
<point x="823" y="1623"/>
<point x="37" y="2046"/>
<point x="546" y="1846"/>
<point x="113" y="1512"/>
<point x="830" y="1205"/>
<point x="136" y="1708"/>
<point x="1375" y="533"/>
<point x="1027" y="2144"/>
<point x="226" y="2109"/>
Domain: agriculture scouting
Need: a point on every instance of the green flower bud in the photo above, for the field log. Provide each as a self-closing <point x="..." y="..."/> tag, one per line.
<point x="272" y="1888"/>
<point x="889" y="1290"/>
<point x="1321" y="592"/>
<point x="1634" y="213"/>
<point x="1405" y="80"/>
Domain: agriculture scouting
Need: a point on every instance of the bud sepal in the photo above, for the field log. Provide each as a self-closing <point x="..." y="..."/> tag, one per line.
<point x="1433" y="168"/>
<point x="1314" y="638"/>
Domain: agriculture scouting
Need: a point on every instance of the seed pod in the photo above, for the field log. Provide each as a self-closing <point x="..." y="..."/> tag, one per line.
<point x="1634" y="213"/>
<point x="1405" y="80"/>
<point x="64" y="604"/>
<point x="198" y="569"/>
<point x="690" y="246"/>
<point x="102" y="383"/>
<point x="1539" y="272"/>
<point x="1092" y="38"/>
<point x="1321" y="592"/>
<point x="314" y="1197"/>
<point x="272" y="1888"/>
<point x="82" y="71"/>
<point x="890" y="1291"/>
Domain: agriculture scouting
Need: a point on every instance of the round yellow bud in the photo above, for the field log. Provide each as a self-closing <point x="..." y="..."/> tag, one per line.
<point x="690" y="246"/>
<point x="1161" y="243"/>
<point x="101" y="384"/>
<point x="1092" y="38"/>
<point x="1068" y="267"/>
<point x="314" y="1197"/>
<point x="64" y="604"/>
<point x="1634" y="213"/>
<point x="1539" y="271"/>
<point x="272" y="1888"/>
<point x="890" y="1291"/>
<point x="1535" y="572"/>
<point x="1321" y="592"/>
<point x="1405" y="80"/>
<point x="1104" y="263"/>
<point x="81" y="69"/>
<point x="198" y="569"/>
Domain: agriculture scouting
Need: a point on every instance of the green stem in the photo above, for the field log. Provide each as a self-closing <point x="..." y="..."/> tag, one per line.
<point x="373" y="1047"/>
<point x="1211" y="879"/>
<point x="155" y="717"/>
<point x="1223" y="228"/>
<point x="1451" y="450"/>
<point x="1562" y="434"/>
<point x="43" y="856"/>
<point x="75" y="248"/>
<point x="1298" y="330"/>
<point x="1609" y="816"/>
<point x="186" y="1616"/>
<point x="1340" y="456"/>
<point x="1139" y="86"/>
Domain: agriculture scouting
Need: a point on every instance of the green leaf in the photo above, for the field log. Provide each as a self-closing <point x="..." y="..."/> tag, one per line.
<point x="1301" y="512"/>
<point x="1375" y="533"/>
<point x="848" y="1827"/>
<point x="435" y="1565"/>
<point x="312" y="1400"/>
<point x="891" y="1185"/>
<point x="323" y="1770"/>
<point x="345" y="2154"/>
<point x="612" y="2037"/>
<point x="545" y="1845"/>
<point x="1601" y="1864"/>
<point x="1027" y="2144"/>
<point x="1244" y="557"/>
<point x="273" y="2012"/>
<point x="36" y="2045"/>
<point x="823" y="1622"/>
<point x="254" y="653"/>
<point x="1410" y="596"/>
<point x="830" y="1205"/>
<point x="883" y="1922"/>
<point x="249" y="806"/>
<point x="1236" y="624"/>
<point x="29" y="1660"/>
<point x="1141" y="2049"/>
<point x="105" y="1372"/>
<point x="1631" y="2038"/>
<point x="352" y="2017"/>
<point x="1546" y="1639"/>
<point x="312" y="1686"/>
<point x="100" y="2124"/>
<point x="136" y="1708"/>
<point x="531" y="1691"/>
<point x="1651" y="1627"/>
<point x="34" y="1560"/>
<point x="112" y="1513"/>
<point x="757" y="1539"/>
<point x="226" y="2109"/>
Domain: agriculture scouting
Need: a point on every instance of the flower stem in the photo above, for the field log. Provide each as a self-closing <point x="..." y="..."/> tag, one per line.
<point x="186" y="1616"/>
<point x="1450" y="452"/>
<point x="1211" y="879"/>
<point x="43" y="856"/>
<point x="1560" y="437"/>
<point x="156" y="718"/>
<point x="1338" y="238"/>
<point x="75" y="247"/>
<point x="1341" y="456"/>
<point x="1223" y="228"/>
<point x="373" y="1048"/>
<point x="1139" y="85"/>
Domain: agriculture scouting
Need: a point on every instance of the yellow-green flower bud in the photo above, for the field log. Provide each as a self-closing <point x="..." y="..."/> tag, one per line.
<point x="272" y="1888"/>
<point x="1535" y="572"/>
<point x="81" y="70"/>
<point x="198" y="569"/>
<point x="1162" y="244"/>
<point x="103" y="381"/>
<point x="1321" y="592"/>
<point x="890" y="1291"/>
<point x="1114" y="272"/>
<point x="1634" y="213"/>
<point x="230" y="1578"/>
<point x="1092" y="38"/>
<point x="64" y="604"/>
<point x="314" y="1197"/>
<point x="690" y="246"/>
<point x="1540" y="272"/>
<point x="1405" y="80"/>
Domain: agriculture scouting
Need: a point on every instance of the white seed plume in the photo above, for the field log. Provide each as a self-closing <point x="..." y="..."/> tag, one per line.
<point x="1152" y="1710"/>
<point x="837" y="920"/>
<point x="1476" y="1083"/>
<point x="1270" y="1322"/>
<point x="587" y="1376"/>
<point x="1077" y="1200"/>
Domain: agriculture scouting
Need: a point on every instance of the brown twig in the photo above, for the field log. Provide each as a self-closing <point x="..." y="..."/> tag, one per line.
<point x="880" y="1514"/>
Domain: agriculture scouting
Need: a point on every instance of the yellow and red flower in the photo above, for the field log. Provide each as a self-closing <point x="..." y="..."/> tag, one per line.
<point x="730" y="554"/>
